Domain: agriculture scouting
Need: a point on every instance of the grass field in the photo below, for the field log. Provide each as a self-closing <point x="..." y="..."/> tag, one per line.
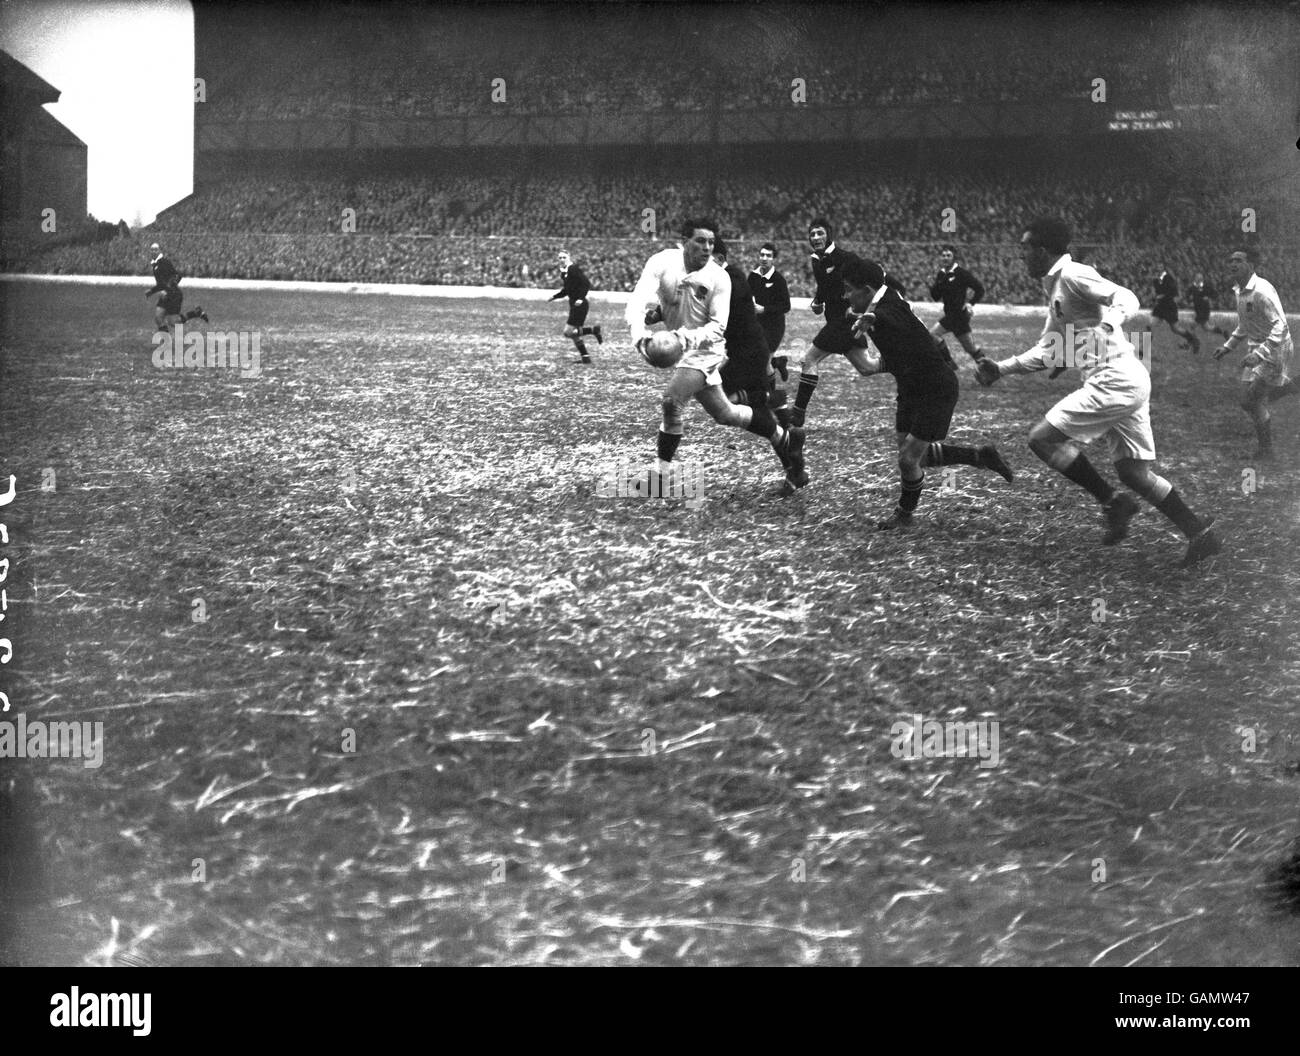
<point x="449" y="705"/>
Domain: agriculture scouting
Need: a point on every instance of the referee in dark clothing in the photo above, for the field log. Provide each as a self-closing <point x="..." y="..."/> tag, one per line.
<point x="771" y="296"/>
<point x="950" y="288"/>
<point x="1166" y="308"/>
<point x="167" y="281"/>
<point x="575" y="287"/>
<point x="1202" y="293"/>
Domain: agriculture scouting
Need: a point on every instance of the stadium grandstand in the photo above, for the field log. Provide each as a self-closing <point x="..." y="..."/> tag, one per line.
<point x="461" y="167"/>
<point x="44" y="163"/>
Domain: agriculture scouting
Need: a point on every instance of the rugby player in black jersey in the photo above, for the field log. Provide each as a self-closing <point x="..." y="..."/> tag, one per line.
<point x="748" y="378"/>
<point x="837" y="336"/>
<point x="772" y="303"/>
<point x="927" y="384"/>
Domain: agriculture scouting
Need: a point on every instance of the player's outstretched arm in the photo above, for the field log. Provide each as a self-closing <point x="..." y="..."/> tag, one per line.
<point x="1233" y="342"/>
<point x="1046" y="353"/>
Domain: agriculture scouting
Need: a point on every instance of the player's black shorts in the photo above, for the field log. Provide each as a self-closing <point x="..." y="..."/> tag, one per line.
<point x="926" y="412"/>
<point x="957" y="324"/>
<point x="171" y="301"/>
<point x="578" y="312"/>
<point x="837" y="336"/>
<point x="1166" y="310"/>
<point x="744" y="377"/>
<point x="1202" y="313"/>
<point x="773" y="325"/>
<point x="747" y="366"/>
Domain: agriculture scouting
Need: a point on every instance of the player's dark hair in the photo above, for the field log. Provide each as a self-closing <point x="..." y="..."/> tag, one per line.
<point x="948" y="247"/>
<point x="1251" y="252"/>
<point x="1050" y="232"/>
<point x="821" y="221"/>
<point x="692" y="224"/>
<point x="719" y="246"/>
<point x="769" y="245"/>
<point x="861" y="273"/>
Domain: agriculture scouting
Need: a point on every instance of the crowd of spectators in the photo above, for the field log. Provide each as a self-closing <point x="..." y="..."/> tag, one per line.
<point x="612" y="264"/>
<point x="478" y="223"/>
<point x="987" y="206"/>
<point x="404" y="63"/>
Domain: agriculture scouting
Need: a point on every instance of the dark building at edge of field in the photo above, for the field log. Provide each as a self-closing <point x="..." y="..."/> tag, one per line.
<point x="44" y="164"/>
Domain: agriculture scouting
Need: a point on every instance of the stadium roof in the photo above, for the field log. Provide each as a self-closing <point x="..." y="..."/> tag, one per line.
<point x="46" y="128"/>
<point x="17" y="77"/>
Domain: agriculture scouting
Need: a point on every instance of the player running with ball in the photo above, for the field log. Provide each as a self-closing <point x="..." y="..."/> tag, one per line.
<point x="693" y="294"/>
<point x="927" y="385"/>
<point x="1114" y="401"/>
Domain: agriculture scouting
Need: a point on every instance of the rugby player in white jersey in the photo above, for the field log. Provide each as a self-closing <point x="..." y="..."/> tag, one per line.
<point x="693" y="295"/>
<point x="1266" y="369"/>
<point x="1085" y="317"/>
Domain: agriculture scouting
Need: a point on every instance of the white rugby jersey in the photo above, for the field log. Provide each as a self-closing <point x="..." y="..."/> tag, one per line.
<point x="697" y="304"/>
<point x="1081" y="299"/>
<point x="1261" y="322"/>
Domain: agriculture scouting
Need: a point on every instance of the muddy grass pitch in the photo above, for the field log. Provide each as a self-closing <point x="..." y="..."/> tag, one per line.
<point x="386" y="676"/>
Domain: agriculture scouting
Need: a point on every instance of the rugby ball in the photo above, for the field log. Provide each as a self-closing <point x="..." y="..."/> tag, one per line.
<point x="664" y="349"/>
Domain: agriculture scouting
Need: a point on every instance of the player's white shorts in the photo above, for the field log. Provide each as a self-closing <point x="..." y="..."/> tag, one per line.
<point x="1274" y="370"/>
<point x="708" y="361"/>
<point x="1115" y="402"/>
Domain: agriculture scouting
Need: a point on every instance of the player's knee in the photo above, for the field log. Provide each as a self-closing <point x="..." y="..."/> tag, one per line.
<point x="1055" y="453"/>
<point x="721" y="409"/>
<point x="1135" y="475"/>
